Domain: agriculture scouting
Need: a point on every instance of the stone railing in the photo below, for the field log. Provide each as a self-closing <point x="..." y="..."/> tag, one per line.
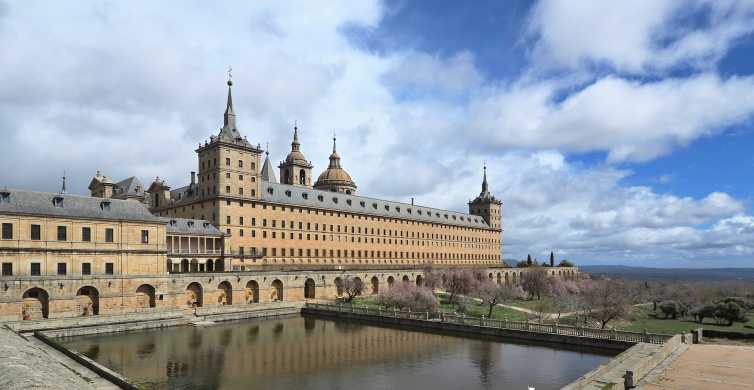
<point x="550" y="329"/>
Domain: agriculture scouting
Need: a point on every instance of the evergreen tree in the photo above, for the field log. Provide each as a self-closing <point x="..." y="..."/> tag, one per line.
<point x="528" y="259"/>
<point x="552" y="259"/>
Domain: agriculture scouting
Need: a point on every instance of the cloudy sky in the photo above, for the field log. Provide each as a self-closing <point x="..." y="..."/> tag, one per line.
<point x="615" y="133"/>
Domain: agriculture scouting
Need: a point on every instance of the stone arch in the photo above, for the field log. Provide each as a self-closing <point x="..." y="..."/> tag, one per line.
<point x="419" y="281"/>
<point x="225" y="293"/>
<point x="194" y="295"/>
<point x="184" y="265"/>
<point x="405" y="279"/>
<point x="390" y="281"/>
<point x="145" y="296"/>
<point x="276" y="290"/>
<point x="36" y="304"/>
<point x="252" y="291"/>
<point x="499" y="278"/>
<point x="338" y="287"/>
<point x="490" y="276"/>
<point x="88" y="301"/>
<point x="375" y="285"/>
<point x="310" y="289"/>
<point x="514" y="278"/>
<point x="210" y="265"/>
<point x="507" y="279"/>
<point x="194" y="265"/>
<point x="302" y="177"/>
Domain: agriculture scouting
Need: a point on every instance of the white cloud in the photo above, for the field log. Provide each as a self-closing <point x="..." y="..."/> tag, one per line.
<point x="637" y="36"/>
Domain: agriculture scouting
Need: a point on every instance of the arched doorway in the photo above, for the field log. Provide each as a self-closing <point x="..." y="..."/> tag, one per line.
<point x="405" y="279"/>
<point x="36" y="304"/>
<point x="419" y="281"/>
<point x="210" y="265"/>
<point x="309" y="289"/>
<point x="390" y="281"/>
<point x="490" y="275"/>
<point x="194" y="295"/>
<point x="375" y="285"/>
<point x="514" y="278"/>
<point x="88" y="301"/>
<point x="145" y="296"/>
<point x="507" y="281"/>
<point x="225" y="293"/>
<point x="276" y="290"/>
<point x="252" y="292"/>
<point x="338" y="287"/>
<point x="499" y="278"/>
<point x="184" y="265"/>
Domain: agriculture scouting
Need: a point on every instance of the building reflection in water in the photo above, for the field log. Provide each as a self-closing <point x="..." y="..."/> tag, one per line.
<point x="297" y="351"/>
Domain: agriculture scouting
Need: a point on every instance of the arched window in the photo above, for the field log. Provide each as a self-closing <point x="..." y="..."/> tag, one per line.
<point x="302" y="177"/>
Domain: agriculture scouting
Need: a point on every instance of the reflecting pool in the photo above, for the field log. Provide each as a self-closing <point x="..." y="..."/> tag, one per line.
<point x="312" y="353"/>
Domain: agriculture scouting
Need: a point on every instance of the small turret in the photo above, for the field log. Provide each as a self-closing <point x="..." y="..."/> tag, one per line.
<point x="486" y="205"/>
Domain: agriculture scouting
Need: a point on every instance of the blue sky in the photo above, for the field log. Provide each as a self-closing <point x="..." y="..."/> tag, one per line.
<point x="615" y="133"/>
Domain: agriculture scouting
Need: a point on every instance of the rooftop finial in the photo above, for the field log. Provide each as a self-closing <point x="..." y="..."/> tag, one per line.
<point x="62" y="190"/>
<point x="267" y="149"/>
<point x="485" y="186"/>
<point x="230" y="76"/>
<point x="334" y="138"/>
<point x="295" y="143"/>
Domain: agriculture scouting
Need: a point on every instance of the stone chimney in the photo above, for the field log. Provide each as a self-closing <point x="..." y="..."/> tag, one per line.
<point x="193" y="178"/>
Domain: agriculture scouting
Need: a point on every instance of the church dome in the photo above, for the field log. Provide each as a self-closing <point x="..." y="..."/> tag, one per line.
<point x="335" y="178"/>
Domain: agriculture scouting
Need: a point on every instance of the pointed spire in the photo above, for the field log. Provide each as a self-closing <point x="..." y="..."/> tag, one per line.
<point x="333" y="143"/>
<point x="229" y="119"/>
<point x="268" y="174"/>
<point x="485" y="186"/>
<point x="295" y="144"/>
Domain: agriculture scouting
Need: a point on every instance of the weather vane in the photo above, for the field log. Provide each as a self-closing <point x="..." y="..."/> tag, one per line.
<point x="230" y="75"/>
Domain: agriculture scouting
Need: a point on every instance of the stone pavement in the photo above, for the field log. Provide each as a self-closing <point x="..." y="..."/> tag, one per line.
<point x="706" y="367"/>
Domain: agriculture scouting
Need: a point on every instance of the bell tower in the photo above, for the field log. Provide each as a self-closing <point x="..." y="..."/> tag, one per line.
<point x="296" y="169"/>
<point x="487" y="206"/>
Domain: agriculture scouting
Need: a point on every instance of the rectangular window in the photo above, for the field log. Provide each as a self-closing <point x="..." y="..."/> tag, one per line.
<point x="7" y="231"/>
<point x="227" y="189"/>
<point x="109" y="234"/>
<point x="62" y="233"/>
<point x="240" y="221"/>
<point x="109" y="268"/>
<point x="227" y="161"/>
<point x="145" y="236"/>
<point x="227" y="219"/>
<point x="86" y="234"/>
<point x="86" y="268"/>
<point x="36" y="232"/>
<point x="7" y="269"/>
<point x="62" y="268"/>
<point x="35" y="269"/>
<point x="240" y="163"/>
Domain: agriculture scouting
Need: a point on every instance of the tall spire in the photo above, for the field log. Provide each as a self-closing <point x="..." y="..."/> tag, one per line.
<point x="485" y="186"/>
<point x="295" y="145"/>
<point x="230" y="116"/>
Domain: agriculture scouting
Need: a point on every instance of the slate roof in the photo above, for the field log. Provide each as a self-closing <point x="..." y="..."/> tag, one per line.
<point x="130" y="187"/>
<point x="268" y="173"/>
<point x="75" y="206"/>
<point x="191" y="226"/>
<point x="294" y="195"/>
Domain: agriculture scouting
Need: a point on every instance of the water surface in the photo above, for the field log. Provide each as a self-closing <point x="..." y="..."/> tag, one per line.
<point x="311" y="353"/>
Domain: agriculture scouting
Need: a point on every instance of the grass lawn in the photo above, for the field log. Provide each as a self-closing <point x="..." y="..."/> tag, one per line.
<point x="530" y="304"/>
<point x="642" y="318"/>
<point x="472" y="309"/>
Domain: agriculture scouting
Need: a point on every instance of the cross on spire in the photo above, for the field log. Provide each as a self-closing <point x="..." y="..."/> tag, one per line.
<point x="63" y="190"/>
<point x="230" y="75"/>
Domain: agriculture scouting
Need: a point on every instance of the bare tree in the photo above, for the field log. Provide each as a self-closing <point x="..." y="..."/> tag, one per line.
<point x="409" y="295"/>
<point x="492" y="294"/>
<point x="607" y="300"/>
<point x="460" y="282"/>
<point x="565" y="294"/>
<point x="432" y="277"/>
<point x="352" y="287"/>
<point x="535" y="282"/>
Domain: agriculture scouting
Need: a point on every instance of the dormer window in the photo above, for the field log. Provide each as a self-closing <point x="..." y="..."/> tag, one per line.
<point x="173" y="222"/>
<point x="398" y="209"/>
<point x="320" y="198"/>
<point x="387" y="208"/>
<point x="362" y="203"/>
<point x="334" y="200"/>
<point x="419" y="211"/>
<point x="206" y="224"/>
<point x="305" y="195"/>
<point x="4" y="197"/>
<point x="270" y="190"/>
<point x="57" y="201"/>
<point x="288" y="193"/>
<point x="190" y="223"/>
<point x="348" y="201"/>
<point x="409" y="211"/>
<point x="104" y="206"/>
<point x="374" y="206"/>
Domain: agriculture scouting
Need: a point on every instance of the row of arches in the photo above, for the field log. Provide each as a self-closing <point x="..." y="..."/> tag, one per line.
<point x="194" y="265"/>
<point x="35" y="302"/>
<point x="195" y="293"/>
